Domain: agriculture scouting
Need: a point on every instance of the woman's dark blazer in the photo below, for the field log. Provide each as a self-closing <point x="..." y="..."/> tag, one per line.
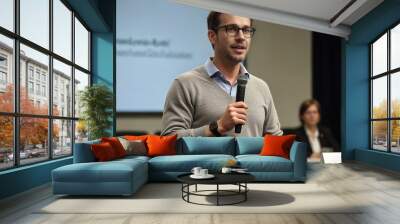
<point x="326" y="138"/>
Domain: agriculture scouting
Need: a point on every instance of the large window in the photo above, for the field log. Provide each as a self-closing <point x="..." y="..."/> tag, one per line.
<point x="385" y="91"/>
<point x="7" y="14"/>
<point x="44" y="64"/>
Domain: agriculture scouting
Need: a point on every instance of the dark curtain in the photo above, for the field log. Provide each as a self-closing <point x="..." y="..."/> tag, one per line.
<point x="327" y="79"/>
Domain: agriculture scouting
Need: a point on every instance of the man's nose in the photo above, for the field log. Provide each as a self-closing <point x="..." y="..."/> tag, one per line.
<point x="240" y="35"/>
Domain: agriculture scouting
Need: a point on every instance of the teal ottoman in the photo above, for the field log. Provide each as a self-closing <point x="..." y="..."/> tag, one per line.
<point x="119" y="177"/>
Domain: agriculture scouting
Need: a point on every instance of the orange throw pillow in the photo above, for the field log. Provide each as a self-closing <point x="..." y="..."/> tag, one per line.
<point x="277" y="145"/>
<point x="103" y="152"/>
<point x="134" y="137"/>
<point x="161" y="145"/>
<point x="116" y="145"/>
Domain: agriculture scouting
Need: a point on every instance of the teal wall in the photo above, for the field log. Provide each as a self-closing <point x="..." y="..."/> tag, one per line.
<point x="355" y="98"/>
<point x="102" y="64"/>
<point x="381" y="159"/>
<point x="102" y="58"/>
<point x="95" y="16"/>
<point x="99" y="16"/>
<point x="24" y="178"/>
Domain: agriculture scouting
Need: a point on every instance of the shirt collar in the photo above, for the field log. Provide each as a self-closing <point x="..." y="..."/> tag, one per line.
<point x="309" y="133"/>
<point x="213" y="70"/>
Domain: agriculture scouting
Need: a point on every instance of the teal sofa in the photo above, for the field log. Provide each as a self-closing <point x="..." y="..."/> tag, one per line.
<point x="125" y="176"/>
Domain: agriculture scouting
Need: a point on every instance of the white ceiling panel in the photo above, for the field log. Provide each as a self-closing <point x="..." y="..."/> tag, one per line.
<point x="320" y="9"/>
<point x="333" y="17"/>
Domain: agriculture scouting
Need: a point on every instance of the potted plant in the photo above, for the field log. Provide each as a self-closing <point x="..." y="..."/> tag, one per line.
<point x="96" y="102"/>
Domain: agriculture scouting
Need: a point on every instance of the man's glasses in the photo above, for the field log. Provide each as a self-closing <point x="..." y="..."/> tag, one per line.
<point x="233" y="30"/>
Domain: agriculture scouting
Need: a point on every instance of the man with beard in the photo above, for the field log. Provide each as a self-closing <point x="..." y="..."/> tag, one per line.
<point x="201" y="102"/>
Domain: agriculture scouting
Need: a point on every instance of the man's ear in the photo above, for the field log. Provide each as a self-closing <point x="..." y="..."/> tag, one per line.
<point x="212" y="36"/>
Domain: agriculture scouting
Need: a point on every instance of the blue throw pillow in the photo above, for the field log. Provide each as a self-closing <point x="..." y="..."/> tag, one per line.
<point x="249" y="145"/>
<point x="206" y="145"/>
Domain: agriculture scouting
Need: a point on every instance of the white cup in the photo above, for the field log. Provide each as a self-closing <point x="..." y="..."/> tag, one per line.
<point x="226" y="170"/>
<point x="196" y="170"/>
<point x="203" y="172"/>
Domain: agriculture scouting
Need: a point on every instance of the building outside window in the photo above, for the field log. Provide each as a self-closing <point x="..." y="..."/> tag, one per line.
<point x="3" y="72"/>
<point x="43" y="90"/>
<point x="3" y="61"/>
<point x="38" y="89"/>
<point x="43" y="77"/>
<point x="30" y="72"/>
<point x="3" y="78"/>
<point x="30" y="87"/>
<point x="37" y="75"/>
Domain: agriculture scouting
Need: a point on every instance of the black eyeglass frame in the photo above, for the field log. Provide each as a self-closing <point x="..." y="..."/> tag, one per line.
<point x="236" y="29"/>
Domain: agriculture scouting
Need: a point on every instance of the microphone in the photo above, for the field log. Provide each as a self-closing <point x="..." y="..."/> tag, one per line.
<point x="241" y="88"/>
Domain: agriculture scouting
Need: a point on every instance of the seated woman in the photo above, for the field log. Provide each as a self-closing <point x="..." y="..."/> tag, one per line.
<point x="318" y="138"/>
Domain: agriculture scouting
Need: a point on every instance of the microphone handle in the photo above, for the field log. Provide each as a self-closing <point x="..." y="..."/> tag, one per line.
<point x="239" y="97"/>
<point x="238" y="128"/>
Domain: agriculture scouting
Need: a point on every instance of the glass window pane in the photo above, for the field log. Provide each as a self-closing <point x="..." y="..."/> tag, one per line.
<point x="6" y="142"/>
<point x="62" y="89"/>
<point x="34" y="97"/>
<point x="395" y="94"/>
<point x="379" y="56"/>
<point x="81" y="131"/>
<point x="62" y="138"/>
<point x="395" y="47"/>
<point x="62" y="29"/>
<point x="395" y="136"/>
<point x="33" y="139"/>
<point x="81" y="45"/>
<point x="81" y="81"/>
<point x="379" y="135"/>
<point x="6" y="74"/>
<point x="35" y="21"/>
<point x="379" y="98"/>
<point x="7" y="14"/>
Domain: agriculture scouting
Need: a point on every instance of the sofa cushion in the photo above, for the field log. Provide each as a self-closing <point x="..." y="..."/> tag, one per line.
<point x="132" y="158"/>
<point x="206" y="145"/>
<point x="257" y="163"/>
<point x="249" y="145"/>
<point x="111" y="171"/>
<point x="185" y="163"/>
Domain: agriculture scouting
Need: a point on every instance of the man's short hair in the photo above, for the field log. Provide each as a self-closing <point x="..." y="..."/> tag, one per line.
<point x="213" y="21"/>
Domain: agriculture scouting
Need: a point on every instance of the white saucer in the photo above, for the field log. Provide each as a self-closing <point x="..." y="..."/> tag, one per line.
<point x="208" y="176"/>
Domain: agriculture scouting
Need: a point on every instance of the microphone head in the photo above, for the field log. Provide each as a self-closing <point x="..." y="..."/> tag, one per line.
<point x="242" y="79"/>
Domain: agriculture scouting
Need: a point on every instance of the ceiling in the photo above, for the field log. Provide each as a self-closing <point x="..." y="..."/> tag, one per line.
<point x="320" y="9"/>
<point x="333" y="17"/>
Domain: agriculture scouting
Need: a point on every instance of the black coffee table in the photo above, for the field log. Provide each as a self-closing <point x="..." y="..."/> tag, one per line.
<point x="238" y="179"/>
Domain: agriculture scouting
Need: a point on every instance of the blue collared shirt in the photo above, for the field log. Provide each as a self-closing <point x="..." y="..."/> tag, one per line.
<point x="219" y="78"/>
